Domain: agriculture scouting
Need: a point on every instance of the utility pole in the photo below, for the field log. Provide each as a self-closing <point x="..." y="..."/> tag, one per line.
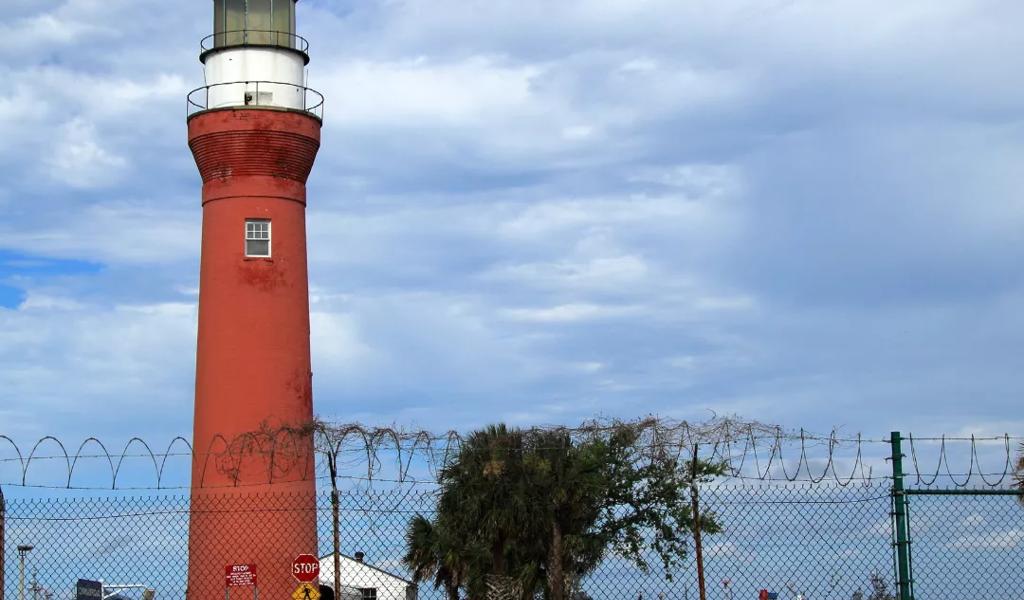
<point x="332" y="462"/>
<point x="23" y="551"/>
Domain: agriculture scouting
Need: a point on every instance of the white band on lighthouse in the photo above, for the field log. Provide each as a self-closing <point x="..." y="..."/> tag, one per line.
<point x="260" y="76"/>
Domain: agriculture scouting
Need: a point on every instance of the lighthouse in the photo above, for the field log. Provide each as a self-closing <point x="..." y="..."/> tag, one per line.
<point x="254" y="131"/>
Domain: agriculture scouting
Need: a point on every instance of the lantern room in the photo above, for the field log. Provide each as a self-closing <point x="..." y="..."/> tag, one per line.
<point x="254" y="22"/>
<point x="254" y="58"/>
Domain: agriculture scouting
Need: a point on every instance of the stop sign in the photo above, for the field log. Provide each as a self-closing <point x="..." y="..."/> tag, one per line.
<point x="306" y="568"/>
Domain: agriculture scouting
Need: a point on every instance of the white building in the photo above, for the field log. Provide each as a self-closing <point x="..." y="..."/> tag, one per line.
<point x="362" y="581"/>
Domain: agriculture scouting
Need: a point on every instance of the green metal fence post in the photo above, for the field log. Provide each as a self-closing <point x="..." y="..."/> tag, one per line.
<point x="3" y="526"/>
<point x="904" y="579"/>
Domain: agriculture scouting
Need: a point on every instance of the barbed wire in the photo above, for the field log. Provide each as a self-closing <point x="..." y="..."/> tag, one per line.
<point x="943" y="469"/>
<point x="352" y="452"/>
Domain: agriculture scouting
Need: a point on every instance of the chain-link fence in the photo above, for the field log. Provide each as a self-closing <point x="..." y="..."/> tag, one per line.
<point x="815" y="541"/>
<point x="866" y="539"/>
<point x="966" y="543"/>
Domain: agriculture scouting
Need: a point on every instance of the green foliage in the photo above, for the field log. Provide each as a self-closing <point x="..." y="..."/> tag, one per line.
<point x="430" y="554"/>
<point x="542" y="509"/>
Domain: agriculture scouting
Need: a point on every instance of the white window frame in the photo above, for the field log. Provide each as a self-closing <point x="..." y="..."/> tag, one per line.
<point x="269" y="239"/>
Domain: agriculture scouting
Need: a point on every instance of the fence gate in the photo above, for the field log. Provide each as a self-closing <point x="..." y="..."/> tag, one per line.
<point x="956" y="540"/>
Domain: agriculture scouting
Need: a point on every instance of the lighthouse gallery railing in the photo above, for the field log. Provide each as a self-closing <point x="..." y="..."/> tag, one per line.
<point x="237" y="94"/>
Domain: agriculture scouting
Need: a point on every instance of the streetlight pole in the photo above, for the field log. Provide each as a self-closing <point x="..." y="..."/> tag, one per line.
<point x="23" y="551"/>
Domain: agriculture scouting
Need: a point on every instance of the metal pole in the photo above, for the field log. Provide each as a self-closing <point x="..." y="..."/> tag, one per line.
<point x="964" y="492"/>
<point x="904" y="578"/>
<point x="3" y="525"/>
<point x="698" y="547"/>
<point x="23" y="551"/>
<point x="336" y="526"/>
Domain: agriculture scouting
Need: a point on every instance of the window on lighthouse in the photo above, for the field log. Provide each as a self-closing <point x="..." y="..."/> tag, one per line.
<point x="257" y="237"/>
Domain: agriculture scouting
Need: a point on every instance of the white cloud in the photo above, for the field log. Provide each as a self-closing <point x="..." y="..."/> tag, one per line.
<point x="79" y="161"/>
<point x="41" y="302"/>
<point x="337" y="344"/>
<point x="701" y="181"/>
<point x="579" y="275"/>
<point x="72" y="360"/>
<point x="564" y="208"/>
<point x="1000" y="540"/>
<point x="726" y="303"/>
<point x="114" y="233"/>
<point x="554" y="217"/>
<point x="568" y="313"/>
<point x="731" y="550"/>
<point x="41" y="31"/>
<point x="421" y="92"/>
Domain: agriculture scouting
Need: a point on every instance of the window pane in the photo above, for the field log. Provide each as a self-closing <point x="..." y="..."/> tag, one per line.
<point x="257" y="248"/>
<point x="257" y="230"/>
<point x="283" y="22"/>
<point x="258" y="22"/>
<point x="218" y="23"/>
<point x="234" y="22"/>
<point x="257" y="237"/>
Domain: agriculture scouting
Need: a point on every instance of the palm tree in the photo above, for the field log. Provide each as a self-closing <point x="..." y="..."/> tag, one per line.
<point x="487" y="491"/>
<point x="429" y="558"/>
<point x="480" y="513"/>
<point x="521" y="513"/>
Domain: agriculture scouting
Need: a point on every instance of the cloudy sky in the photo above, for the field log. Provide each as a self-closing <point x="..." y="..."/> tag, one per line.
<point x="804" y="212"/>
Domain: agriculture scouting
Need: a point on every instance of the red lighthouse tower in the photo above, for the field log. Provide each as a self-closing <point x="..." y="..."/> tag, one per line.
<point x="254" y="131"/>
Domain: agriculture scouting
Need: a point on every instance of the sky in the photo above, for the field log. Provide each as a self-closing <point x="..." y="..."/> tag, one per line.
<point x="802" y="212"/>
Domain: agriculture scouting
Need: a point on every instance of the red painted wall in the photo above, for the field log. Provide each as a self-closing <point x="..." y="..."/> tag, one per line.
<point x="253" y="500"/>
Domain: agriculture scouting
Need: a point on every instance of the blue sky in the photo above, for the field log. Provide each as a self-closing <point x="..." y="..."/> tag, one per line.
<point x="807" y="213"/>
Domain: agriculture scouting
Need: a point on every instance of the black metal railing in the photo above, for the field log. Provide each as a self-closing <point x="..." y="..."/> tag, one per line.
<point x="270" y="94"/>
<point x="253" y="37"/>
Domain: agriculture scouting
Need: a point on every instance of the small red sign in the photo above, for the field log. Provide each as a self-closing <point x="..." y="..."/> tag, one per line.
<point x="240" y="575"/>
<point x="306" y="568"/>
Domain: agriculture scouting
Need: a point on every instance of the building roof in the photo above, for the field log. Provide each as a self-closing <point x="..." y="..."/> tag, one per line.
<point x="364" y="564"/>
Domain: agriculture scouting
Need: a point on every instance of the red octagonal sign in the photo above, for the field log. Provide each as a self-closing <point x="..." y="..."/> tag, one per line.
<point x="306" y="568"/>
